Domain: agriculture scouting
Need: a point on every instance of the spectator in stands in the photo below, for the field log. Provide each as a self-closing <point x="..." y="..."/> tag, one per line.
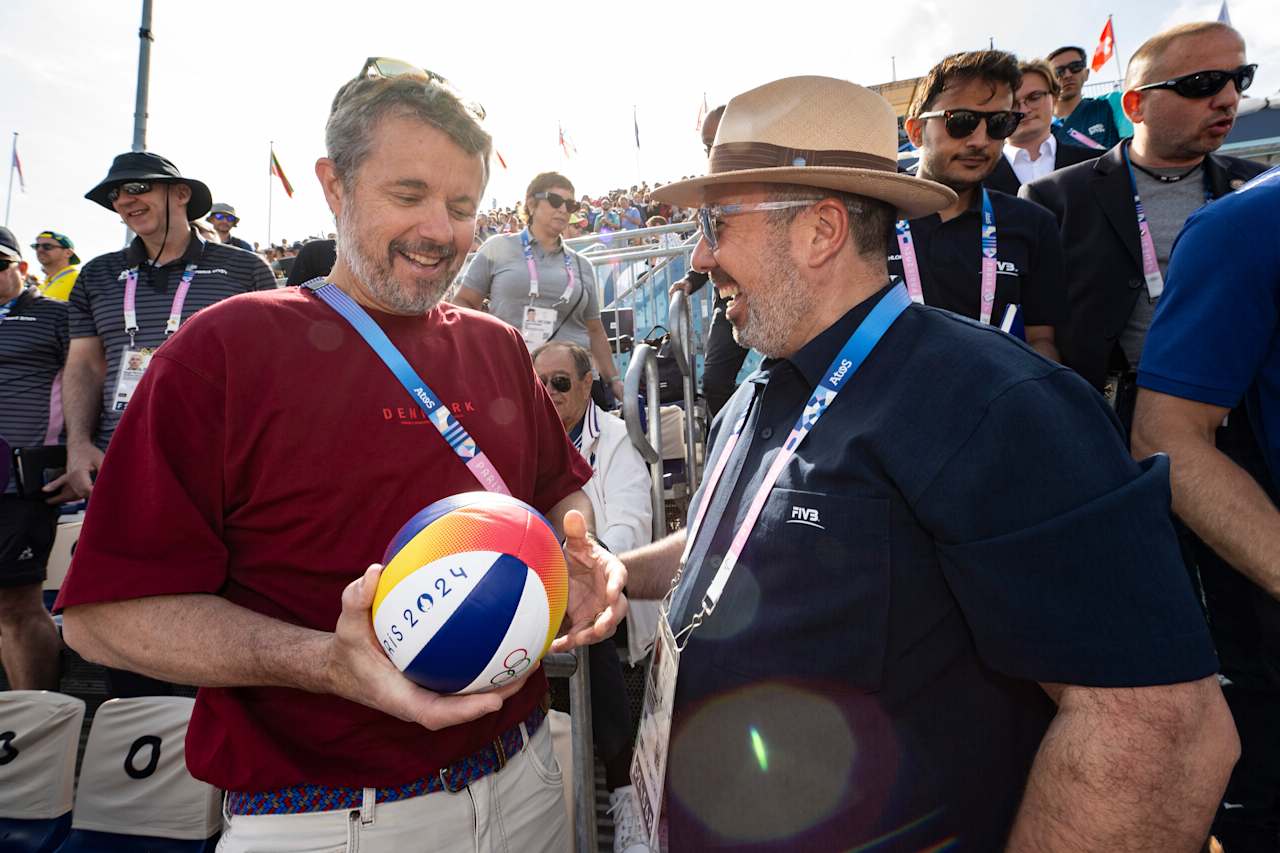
<point x="33" y="348"/>
<point x="223" y="218"/>
<point x="609" y="219"/>
<point x="1037" y="146"/>
<point x="1170" y="165"/>
<point x="619" y="493"/>
<point x="1089" y="121"/>
<point x="632" y="216"/>
<point x="1213" y="349"/>
<point x="940" y="694"/>
<point x="314" y="260"/>
<point x="959" y="118"/>
<point x="576" y="227"/>
<point x="241" y="572"/>
<point x="57" y="257"/>
<point x="129" y="302"/>
<point x="535" y="270"/>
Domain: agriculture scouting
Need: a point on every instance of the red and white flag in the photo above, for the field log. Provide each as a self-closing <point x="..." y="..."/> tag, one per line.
<point x="702" y="113"/>
<point x="1106" y="47"/>
<point x="565" y="145"/>
<point x="17" y="164"/>
<point x="498" y="154"/>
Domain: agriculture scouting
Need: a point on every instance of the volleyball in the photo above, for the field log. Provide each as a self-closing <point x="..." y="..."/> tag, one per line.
<point x="472" y="592"/>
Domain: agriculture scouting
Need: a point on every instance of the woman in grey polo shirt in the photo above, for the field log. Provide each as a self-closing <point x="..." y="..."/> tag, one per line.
<point x="539" y="286"/>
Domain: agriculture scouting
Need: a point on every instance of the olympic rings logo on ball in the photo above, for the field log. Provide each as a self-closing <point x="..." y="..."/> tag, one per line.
<point x="513" y="667"/>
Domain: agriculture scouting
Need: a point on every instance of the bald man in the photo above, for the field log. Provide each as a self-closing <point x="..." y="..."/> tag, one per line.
<point x="1180" y="117"/>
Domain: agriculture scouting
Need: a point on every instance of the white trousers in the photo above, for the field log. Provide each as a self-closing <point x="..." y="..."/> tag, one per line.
<point x="519" y="809"/>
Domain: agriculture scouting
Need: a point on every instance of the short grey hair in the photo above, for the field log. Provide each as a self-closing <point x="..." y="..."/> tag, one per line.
<point x="362" y="103"/>
<point x="581" y="358"/>
<point x="870" y="219"/>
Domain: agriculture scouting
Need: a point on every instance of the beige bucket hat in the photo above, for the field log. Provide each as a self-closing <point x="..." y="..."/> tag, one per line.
<point x="815" y="132"/>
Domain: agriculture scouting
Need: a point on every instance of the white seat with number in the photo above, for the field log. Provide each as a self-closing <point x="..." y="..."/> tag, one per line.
<point x="134" y="779"/>
<point x="39" y="736"/>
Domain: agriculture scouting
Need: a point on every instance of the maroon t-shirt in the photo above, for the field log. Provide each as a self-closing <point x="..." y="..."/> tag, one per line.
<point x="268" y="456"/>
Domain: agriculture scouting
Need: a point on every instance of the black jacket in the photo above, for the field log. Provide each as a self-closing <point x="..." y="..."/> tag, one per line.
<point x="1093" y="203"/>
<point x="1004" y="179"/>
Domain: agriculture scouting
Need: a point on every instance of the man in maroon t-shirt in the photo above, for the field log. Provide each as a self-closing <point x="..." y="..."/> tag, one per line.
<point x="269" y="454"/>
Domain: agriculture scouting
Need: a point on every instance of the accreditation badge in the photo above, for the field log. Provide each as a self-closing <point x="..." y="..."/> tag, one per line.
<point x="133" y="364"/>
<point x="649" y="763"/>
<point x="538" y="326"/>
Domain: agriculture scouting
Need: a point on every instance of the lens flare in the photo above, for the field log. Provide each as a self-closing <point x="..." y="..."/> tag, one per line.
<point x="757" y="744"/>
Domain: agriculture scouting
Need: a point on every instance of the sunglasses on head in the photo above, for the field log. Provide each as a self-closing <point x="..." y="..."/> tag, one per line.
<point x="224" y="217"/>
<point x="46" y="247"/>
<point x="131" y="187"/>
<point x="382" y="66"/>
<point x="558" y="201"/>
<point x="1070" y="68"/>
<point x="560" y="382"/>
<point x="1202" y="84"/>
<point x="962" y="123"/>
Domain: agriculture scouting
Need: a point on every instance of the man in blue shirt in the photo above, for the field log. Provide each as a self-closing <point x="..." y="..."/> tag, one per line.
<point x="955" y="615"/>
<point x="1213" y="345"/>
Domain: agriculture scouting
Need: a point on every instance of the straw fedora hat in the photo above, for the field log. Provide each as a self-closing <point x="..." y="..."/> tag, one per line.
<point x="815" y="132"/>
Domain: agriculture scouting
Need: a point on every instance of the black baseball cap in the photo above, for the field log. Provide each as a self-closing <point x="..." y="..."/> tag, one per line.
<point x="9" y="247"/>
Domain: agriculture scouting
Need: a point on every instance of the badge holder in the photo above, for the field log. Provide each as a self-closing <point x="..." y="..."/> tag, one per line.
<point x="538" y="326"/>
<point x="133" y="364"/>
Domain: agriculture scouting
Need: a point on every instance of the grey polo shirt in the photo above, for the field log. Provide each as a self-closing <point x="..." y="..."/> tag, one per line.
<point x="97" y="302"/>
<point x="33" y="348"/>
<point x="498" y="271"/>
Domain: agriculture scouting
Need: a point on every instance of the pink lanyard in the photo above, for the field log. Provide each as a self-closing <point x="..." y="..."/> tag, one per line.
<point x="911" y="268"/>
<point x="1084" y="140"/>
<point x="175" y="311"/>
<point x="533" y="269"/>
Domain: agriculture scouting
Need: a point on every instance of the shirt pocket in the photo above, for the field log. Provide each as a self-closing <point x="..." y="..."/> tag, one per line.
<point x="809" y="598"/>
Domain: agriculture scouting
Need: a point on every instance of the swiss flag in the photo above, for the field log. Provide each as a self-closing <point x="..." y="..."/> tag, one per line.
<point x="1106" y="47"/>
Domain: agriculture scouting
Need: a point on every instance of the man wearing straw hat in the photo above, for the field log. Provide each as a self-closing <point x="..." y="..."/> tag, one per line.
<point x="952" y="617"/>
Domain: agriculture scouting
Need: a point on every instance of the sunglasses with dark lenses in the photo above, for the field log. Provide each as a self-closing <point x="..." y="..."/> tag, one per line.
<point x="1202" y="84"/>
<point x="558" y="201"/>
<point x="962" y="123"/>
<point x="382" y="66"/>
<point x="224" y="217"/>
<point x="131" y="187"/>
<point x="5" y="264"/>
<point x="1070" y="68"/>
<point x="559" y="382"/>
<point x="45" y="247"/>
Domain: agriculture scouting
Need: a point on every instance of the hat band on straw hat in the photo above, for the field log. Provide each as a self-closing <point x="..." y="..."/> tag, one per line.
<point x="740" y="156"/>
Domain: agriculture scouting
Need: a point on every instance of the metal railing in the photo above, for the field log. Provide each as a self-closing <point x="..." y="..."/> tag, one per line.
<point x="683" y="351"/>
<point x="644" y="367"/>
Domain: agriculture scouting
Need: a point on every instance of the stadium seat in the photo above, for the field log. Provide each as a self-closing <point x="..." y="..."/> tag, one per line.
<point x="135" y="793"/>
<point x="64" y="545"/>
<point x="39" y="735"/>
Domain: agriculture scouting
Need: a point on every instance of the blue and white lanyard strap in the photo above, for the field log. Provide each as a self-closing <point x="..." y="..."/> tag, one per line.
<point x="911" y="267"/>
<point x="437" y="412"/>
<point x="175" y="310"/>
<point x="533" y="269"/>
<point x="8" y="306"/>
<point x="1150" y="264"/>
<point x="838" y="375"/>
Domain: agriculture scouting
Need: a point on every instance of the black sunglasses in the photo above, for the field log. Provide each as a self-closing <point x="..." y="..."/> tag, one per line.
<point x="5" y="264"/>
<point x="559" y="382"/>
<point x="46" y="247"/>
<point x="961" y="123"/>
<point x="131" y="187"/>
<point x="557" y="201"/>
<point x="1070" y="68"/>
<point x="1202" y="84"/>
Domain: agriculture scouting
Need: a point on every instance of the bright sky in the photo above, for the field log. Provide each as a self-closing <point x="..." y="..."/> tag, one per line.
<point x="229" y="76"/>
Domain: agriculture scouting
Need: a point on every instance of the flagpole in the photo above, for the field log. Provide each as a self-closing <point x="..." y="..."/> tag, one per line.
<point x="1115" y="52"/>
<point x="13" y="162"/>
<point x="271" y="185"/>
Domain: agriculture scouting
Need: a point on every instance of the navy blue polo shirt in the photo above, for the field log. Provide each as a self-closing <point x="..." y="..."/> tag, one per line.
<point x="1030" y="269"/>
<point x="964" y="522"/>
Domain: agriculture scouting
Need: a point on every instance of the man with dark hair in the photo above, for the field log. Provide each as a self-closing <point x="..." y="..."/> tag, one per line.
<point x="988" y="256"/>
<point x="1090" y="122"/>
<point x="223" y="218"/>
<point x="1120" y="213"/>
<point x="240" y="571"/>
<point x="926" y="600"/>
<point x="1037" y="146"/>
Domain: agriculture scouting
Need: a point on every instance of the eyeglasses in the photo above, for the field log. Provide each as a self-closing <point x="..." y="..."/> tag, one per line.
<point x="962" y="123"/>
<point x="1203" y="84"/>
<point x="558" y="201"/>
<point x="1070" y="68"/>
<point x="1031" y="99"/>
<point x="709" y="217"/>
<point x="560" y="382"/>
<point x="131" y="187"/>
<point x="224" y="217"/>
<point x="5" y="264"/>
<point x="46" y="247"/>
<point x="381" y="66"/>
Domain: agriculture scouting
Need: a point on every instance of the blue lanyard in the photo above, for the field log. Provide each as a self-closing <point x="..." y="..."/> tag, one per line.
<point x="843" y="367"/>
<point x="454" y="433"/>
<point x="533" y="269"/>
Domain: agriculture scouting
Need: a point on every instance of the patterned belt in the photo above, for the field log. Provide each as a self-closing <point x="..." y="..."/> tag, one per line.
<point x="321" y="798"/>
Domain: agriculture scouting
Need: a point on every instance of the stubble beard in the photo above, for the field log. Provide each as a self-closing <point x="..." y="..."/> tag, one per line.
<point x="378" y="278"/>
<point x="773" y="314"/>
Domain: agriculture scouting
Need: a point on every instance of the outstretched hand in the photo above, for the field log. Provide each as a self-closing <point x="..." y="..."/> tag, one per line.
<point x="358" y="669"/>
<point x="596" y="580"/>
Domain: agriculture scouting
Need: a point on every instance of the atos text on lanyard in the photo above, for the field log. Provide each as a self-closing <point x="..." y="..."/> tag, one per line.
<point x="175" y="310"/>
<point x="911" y="267"/>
